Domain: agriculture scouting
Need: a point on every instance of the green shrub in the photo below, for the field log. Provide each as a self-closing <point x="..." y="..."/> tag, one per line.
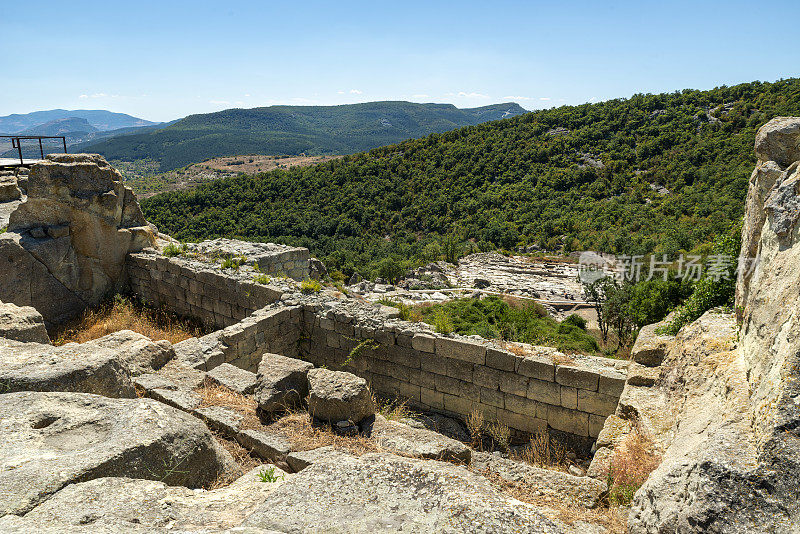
<point x="493" y="318"/>
<point x="262" y="279"/>
<point x="575" y="320"/>
<point x="310" y="286"/>
<point x="172" y="250"/>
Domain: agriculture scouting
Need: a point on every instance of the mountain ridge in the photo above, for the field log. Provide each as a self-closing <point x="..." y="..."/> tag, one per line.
<point x="294" y="130"/>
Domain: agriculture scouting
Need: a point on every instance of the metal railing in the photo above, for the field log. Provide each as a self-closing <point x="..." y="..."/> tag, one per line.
<point x="16" y="142"/>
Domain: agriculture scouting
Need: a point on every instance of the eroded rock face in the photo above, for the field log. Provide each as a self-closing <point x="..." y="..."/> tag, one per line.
<point x="54" y="439"/>
<point x="386" y="493"/>
<point x="419" y="442"/>
<point x="732" y="453"/>
<point x="76" y="227"/>
<point x="22" y="323"/>
<point x="138" y="353"/>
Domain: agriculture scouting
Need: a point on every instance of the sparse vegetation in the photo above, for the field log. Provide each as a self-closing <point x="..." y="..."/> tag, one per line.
<point x="310" y="286"/>
<point x="172" y="250"/>
<point x="267" y="474"/>
<point x="262" y="279"/>
<point x="524" y="321"/>
<point x="631" y="464"/>
<point x="123" y="313"/>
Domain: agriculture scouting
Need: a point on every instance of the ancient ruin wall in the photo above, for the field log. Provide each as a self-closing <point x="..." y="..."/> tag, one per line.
<point x="458" y="375"/>
<point x="450" y="374"/>
<point x="196" y="290"/>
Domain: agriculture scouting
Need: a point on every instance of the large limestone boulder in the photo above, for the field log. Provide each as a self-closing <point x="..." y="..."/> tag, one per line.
<point x="54" y="439"/>
<point x="83" y="368"/>
<point x="385" y="493"/>
<point x="22" y="323"/>
<point x="135" y="505"/>
<point x="78" y="223"/>
<point x="282" y="382"/>
<point x="338" y="396"/>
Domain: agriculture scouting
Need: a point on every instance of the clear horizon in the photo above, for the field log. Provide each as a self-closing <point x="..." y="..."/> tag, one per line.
<point x="165" y="60"/>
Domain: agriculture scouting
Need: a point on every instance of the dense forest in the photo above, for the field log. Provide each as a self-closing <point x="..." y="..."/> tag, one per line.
<point x="651" y="173"/>
<point x="292" y="130"/>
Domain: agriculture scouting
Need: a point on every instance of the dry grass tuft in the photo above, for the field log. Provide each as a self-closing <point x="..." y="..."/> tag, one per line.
<point x="298" y="427"/>
<point x="559" y="509"/>
<point x="213" y="394"/>
<point x="475" y="428"/>
<point x="632" y="462"/>
<point x="544" y="451"/>
<point x="393" y="409"/>
<point x="125" y="314"/>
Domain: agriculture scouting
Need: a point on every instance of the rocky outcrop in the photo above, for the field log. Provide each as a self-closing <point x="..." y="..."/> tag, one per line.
<point x="54" y="439"/>
<point x="137" y="353"/>
<point x="731" y="442"/>
<point x="386" y="493"/>
<point x="22" y="323"/>
<point x="418" y="442"/>
<point x="66" y="244"/>
<point x="8" y="188"/>
<point x="338" y="396"/>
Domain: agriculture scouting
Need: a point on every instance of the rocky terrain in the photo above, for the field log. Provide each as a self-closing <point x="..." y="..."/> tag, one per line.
<point x="554" y="284"/>
<point x="244" y="430"/>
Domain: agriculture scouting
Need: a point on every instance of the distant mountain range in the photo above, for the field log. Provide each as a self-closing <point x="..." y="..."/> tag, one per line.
<point x="292" y="130"/>
<point x="99" y="119"/>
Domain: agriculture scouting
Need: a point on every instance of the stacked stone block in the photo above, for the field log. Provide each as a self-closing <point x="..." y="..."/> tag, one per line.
<point x="458" y="375"/>
<point x="204" y="293"/>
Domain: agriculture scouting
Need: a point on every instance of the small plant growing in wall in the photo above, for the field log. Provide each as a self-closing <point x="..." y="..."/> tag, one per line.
<point x="231" y="262"/>
<point x="173" y="250"/>
<point x="367" y="344"/>
<point x="310" y="286"/>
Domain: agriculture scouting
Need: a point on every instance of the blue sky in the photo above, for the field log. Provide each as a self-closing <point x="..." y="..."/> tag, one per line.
<point x="167" y="59"/>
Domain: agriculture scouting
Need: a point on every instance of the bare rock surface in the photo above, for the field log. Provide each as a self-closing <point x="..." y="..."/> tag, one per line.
<point x="555" y="485"/>
<point x="84" y="368"/>
<point x="54" y="439"/>
<point x="22" y="323"/>
<point x="8" y="188"/>
<point x="282" y="383"/>
<point x="338" y="396"/>
<point x="135" y="505"/>
<point x="387" y="493"/>
<point x="234" y="378"/>
<point x="138" y="353"/>
<point x="420" y="442"/>
<point x="299" y="460"/>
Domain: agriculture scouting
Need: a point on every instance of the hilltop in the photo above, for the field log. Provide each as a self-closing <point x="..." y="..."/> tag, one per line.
<point x="293" y="130"/>
<point x="651" y="173"/>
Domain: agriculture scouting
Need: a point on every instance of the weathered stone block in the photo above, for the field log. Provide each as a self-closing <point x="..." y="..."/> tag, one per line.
<point x="424" y="342"/>
<point x="492" y="397"/>
<point x="596" y="403"/>
<point x="460" y="349"/>
<point x="568" y="420"/>
<point x="502" y="360"/>
<point x="459" y="370"/>
<point x="486" y="377"/>
<point x="577" y="377"/>
<point x="569" y="397"/>
<point x="514" y="384"/>
<point x="547" y="392"/>
<point x="537" y="366"/>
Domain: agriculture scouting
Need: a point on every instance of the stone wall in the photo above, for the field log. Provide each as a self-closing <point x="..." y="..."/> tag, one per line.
<point x="457" y="375"/>
<point x="271" y="258"/>
<point x="274" y="329"/>
<point x="536" y="388"/>
<point x="195" y="289"/>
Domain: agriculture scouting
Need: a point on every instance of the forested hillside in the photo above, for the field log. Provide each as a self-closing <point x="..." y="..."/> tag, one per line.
<point x="292" y="130"/>
<point x="653" y="173"/>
